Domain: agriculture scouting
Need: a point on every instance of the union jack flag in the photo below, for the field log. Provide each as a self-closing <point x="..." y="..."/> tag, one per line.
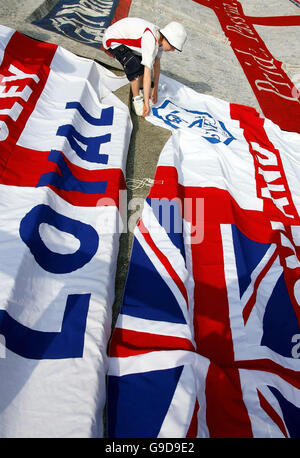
<point x="206" y="344"/>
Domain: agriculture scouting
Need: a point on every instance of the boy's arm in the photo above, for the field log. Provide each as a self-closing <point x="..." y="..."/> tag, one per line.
<point x="147" y="89"/>
<point x="149" y="51"/>
<point x="147" y="85"/>
<point x="156" y="73"/>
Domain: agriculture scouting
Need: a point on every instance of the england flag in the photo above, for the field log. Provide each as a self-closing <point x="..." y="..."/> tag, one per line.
<point x="63" y="146"/>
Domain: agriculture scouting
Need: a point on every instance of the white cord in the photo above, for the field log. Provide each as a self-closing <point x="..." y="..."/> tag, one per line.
<point x="137" y="184"/>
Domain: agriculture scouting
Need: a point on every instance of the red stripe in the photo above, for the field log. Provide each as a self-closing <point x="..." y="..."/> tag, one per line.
<point x="211" y="310"/>
<point x="164" y="260"/>
<point x="251" y="302"/>
<point x="126" y="343"/>
<point x="266" y="406"/>
<point x="122" y="10"/>
<point x="36" y="60"/>
<point x="146" y="30"/>
<point x="274" y="95"/>
<point x="204" y="3"/>
<point x="135" y="43"/>
<point x="25" y="168"/>
<point x="281" y="21"/>
<point x="226" y="413"/>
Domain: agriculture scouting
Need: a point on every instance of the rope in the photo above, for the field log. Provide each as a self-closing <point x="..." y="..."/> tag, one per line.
<point x="137" y="184"/>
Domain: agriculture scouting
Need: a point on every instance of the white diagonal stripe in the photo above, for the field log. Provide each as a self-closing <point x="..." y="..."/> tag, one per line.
<point x="164" y="328"/>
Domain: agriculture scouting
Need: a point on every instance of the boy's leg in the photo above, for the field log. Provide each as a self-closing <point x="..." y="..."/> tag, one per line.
<point x="138" y="101"/>
<point x="136" y="85"/>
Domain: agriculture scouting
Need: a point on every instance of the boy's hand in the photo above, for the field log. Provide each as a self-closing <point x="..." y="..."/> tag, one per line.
<point x="146" y="110"/>
<point x="154" y="96"/>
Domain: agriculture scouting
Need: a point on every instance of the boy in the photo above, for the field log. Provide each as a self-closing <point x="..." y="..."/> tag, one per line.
<point x="138" y="45"/>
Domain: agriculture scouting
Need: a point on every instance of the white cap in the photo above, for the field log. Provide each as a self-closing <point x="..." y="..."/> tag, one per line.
<point x="175" y="33"/>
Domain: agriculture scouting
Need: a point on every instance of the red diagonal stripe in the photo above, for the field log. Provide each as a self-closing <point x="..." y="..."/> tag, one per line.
<point x="164" y="260"/>
<point x="266" y="406"/>
<point x="289" y="375"/>
<point x="251" y="303"/>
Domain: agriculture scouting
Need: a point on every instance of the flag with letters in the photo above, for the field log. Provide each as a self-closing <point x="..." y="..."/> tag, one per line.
<point x="207" y="343"/>
<point x="63" y="144"/>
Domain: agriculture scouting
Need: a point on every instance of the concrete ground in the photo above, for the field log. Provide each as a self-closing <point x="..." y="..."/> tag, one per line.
<point x="145" y="146"/>
<point x="208" y="65"/>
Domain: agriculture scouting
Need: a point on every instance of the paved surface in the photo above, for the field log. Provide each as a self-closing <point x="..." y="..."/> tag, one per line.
<point x="207" y="65"/>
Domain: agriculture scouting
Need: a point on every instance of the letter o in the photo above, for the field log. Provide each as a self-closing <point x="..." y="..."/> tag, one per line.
<point x="55" y="262"/>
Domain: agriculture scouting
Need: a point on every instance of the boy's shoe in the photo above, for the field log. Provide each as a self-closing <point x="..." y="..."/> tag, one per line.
<point x="138" y="105"/>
